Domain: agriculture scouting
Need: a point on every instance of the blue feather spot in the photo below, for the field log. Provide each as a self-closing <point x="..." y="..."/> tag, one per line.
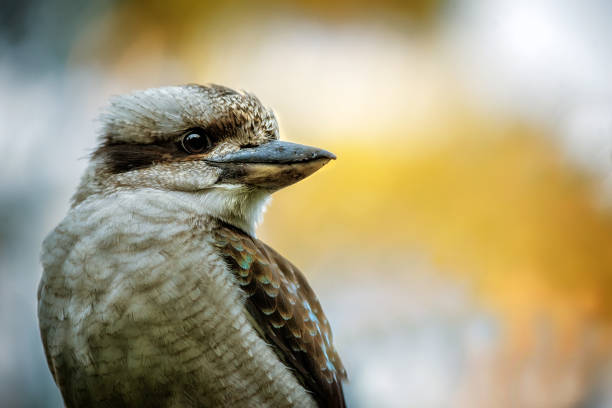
<point x="311" y="314"/>
<point x="246" y="262"/>
<point x="292" y="288"/>
<point x="328" y="364"/>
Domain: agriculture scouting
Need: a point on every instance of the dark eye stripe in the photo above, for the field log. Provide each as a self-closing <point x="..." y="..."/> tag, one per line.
<point x="124" y="157"/>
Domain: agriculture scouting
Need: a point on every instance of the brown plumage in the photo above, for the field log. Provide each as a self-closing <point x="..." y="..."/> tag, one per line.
<point x="287" y="312"/>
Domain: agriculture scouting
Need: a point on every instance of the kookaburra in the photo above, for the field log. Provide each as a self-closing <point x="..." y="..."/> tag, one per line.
<point x="155" y="290"/>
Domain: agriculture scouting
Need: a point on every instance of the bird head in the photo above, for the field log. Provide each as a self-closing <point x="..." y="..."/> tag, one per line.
<point x="211" y="143"/>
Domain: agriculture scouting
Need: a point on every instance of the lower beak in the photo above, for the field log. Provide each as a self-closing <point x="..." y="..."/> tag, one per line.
<point x="272" y="165"/>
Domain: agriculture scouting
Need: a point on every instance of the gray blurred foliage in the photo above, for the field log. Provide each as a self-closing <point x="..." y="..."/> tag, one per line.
<point x="37" y="35"/>
<point x="24" y="378"/>
<point x="35" y="39"/>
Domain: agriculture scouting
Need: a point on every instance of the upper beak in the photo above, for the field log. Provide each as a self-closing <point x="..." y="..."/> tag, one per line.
<point x="272" y="165"/>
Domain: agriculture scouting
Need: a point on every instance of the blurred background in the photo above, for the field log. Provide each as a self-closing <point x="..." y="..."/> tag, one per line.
<point x="462" y="242"/>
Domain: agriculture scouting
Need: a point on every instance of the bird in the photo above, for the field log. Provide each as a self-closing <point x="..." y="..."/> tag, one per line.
<point x="156" y="291"/>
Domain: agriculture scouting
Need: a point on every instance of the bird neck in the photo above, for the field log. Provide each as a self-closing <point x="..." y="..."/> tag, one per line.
<point x="240" y="207"/>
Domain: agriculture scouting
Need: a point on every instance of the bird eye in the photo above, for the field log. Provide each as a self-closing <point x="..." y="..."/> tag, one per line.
<point x="194" y="142"/>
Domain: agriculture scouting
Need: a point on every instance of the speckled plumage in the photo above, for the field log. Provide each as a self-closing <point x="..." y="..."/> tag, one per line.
<point x="144" y="300"/>
<point x="287" y="311"/>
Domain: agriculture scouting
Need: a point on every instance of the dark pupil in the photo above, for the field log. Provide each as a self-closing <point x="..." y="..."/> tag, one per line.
<point x="195" y="142"/>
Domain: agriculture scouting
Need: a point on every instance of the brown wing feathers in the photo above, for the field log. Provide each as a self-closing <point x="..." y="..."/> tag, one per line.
<point x="287" y="311"/>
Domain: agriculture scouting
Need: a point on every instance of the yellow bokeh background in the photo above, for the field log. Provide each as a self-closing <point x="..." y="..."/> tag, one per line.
<point x="495" y="202"/>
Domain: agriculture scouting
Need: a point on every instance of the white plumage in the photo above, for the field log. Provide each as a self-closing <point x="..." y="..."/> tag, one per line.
<point x="154" y="306"/>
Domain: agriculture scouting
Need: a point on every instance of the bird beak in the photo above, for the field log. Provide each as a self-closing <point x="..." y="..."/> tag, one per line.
<point x="272" y="165"/>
